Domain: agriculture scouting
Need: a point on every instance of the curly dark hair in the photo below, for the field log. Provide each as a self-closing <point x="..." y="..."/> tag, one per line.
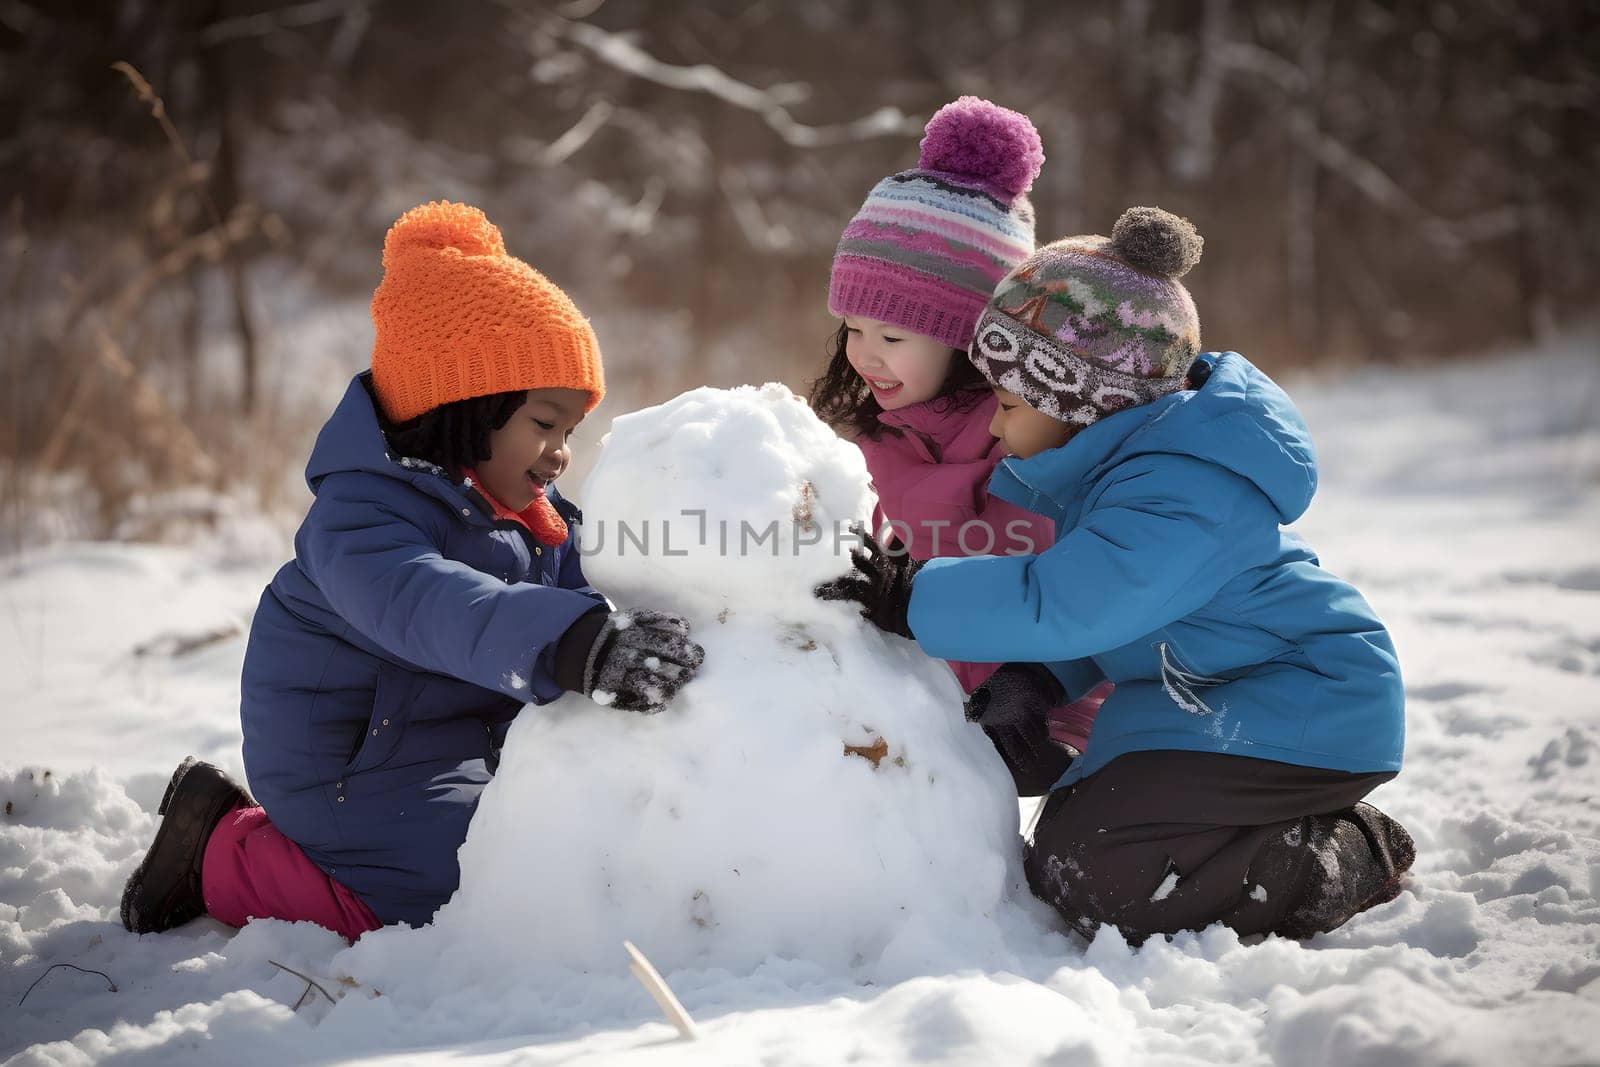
<point x="454" y="436"/>
<point x="844" y="401"/>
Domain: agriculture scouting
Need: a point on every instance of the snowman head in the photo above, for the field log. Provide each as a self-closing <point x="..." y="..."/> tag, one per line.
<point x="722" y="496"/>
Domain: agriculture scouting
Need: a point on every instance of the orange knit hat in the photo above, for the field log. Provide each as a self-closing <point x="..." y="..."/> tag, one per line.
<point x="457" y="317"/>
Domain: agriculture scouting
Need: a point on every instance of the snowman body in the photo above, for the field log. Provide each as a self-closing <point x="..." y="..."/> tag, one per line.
<point x="814" y="793"/>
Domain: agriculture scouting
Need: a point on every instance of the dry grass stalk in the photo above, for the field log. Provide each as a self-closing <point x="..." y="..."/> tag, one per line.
<point x="158" y="109"/>
<point x="104" y="329"/>
<point x="149" y="410"/>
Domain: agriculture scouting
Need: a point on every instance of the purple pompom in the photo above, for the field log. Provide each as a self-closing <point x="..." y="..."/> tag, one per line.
<point x="988" y="143"/>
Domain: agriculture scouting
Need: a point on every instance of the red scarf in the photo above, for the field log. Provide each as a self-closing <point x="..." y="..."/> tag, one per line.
<point x="540" y="518"/>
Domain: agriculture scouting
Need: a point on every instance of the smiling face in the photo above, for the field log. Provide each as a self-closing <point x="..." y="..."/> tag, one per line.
<point x="900" y="367"/>
<point x="530" y="451"/>
<point x="1024" y="431"/>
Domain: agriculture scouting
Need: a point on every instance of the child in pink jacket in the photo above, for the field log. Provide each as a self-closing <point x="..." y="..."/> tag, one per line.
<point x="912" y="273"/>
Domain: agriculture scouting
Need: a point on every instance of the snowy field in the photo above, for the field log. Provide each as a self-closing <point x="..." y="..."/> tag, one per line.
<point x="1464" y="501"/>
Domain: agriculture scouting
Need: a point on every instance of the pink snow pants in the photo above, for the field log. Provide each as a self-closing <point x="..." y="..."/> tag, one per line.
<point x="251" y="871"/>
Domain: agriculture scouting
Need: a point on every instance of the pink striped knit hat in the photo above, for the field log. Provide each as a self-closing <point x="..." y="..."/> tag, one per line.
<point x="928" y="247"/>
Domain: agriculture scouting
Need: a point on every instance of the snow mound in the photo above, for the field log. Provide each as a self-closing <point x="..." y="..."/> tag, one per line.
<point x="1462" y="499"/>
<point x="814" y="794"/>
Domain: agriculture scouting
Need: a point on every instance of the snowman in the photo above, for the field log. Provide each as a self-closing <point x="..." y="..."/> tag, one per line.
<point x="813" y="794"/>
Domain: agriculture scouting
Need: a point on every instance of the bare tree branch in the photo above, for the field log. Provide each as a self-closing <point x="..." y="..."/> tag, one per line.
<point x="1370" y="180"/>
<point x="621" y="53"/>
<point x="1362" y="174"/>
<point x="268" y="22"/>
<point x="1264" y="63"/>
<point x="562" y="148"/>
<point x="763" y="234"/>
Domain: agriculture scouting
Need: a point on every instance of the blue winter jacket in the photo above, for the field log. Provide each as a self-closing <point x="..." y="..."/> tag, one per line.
<point x="1171" y="577"/>
<point x="388" y="658"/>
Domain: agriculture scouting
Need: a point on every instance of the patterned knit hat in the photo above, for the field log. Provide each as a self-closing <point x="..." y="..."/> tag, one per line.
<point x="1087" y="326"/>
<point x="456" y="317"/>
<point x="926" y="249"/>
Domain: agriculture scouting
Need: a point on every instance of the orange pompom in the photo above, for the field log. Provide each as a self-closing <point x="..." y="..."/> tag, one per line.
<point x="440" y="224"/>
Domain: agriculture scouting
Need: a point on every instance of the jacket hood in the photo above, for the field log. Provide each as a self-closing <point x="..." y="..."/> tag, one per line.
<point x="1239" y="420"/>
<point x="352" y="439"/>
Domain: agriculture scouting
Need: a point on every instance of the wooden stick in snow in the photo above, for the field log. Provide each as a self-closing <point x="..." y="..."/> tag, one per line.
<point x="651" y="979"/>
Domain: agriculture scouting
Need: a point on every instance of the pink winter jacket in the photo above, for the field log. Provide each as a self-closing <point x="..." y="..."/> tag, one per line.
<point x="932" y="477"/>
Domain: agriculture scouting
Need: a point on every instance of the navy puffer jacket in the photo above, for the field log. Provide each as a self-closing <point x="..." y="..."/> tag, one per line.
<point x="388" y="658"/>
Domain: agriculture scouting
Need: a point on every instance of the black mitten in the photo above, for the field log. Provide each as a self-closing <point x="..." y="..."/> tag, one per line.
<point x="881" y="584"/>
<point x="1013" y="707"/>
<point x="634" y="660"/>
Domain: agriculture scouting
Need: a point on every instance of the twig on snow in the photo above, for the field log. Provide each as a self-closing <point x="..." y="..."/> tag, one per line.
<point x="74" y="966"/>
<point x="311" y="983"/>
<point x="651" y="979"/>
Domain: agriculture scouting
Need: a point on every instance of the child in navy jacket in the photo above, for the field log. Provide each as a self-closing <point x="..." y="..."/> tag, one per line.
<point x="435" y="591"/>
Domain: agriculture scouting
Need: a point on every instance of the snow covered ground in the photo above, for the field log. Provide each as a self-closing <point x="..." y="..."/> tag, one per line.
<point x="1464" y="501"/>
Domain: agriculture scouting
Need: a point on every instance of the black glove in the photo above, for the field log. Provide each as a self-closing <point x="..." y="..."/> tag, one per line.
<point x="634" y="660"/>
<point x="1013" y="707"/>
<point x="882" y="585"/>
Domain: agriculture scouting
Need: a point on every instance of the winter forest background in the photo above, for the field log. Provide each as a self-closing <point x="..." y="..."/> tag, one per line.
<point x="195" y="193"/>
<point x="1399" y="207"/>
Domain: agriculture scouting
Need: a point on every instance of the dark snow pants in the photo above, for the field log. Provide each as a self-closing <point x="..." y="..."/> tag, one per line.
<point x="1157" y="842"/>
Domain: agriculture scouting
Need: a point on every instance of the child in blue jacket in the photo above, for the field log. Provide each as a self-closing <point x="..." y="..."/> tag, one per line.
<point x="435" y="591"/>
<point x="1258" y="698"/>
